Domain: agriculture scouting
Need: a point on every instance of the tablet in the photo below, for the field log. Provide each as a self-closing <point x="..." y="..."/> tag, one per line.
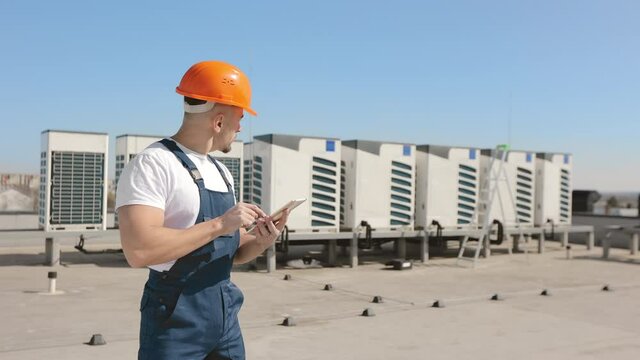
<point x="278" y="213"/>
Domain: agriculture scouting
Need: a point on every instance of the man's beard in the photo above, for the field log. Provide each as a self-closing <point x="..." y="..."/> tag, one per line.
<point x="227" y="149"/>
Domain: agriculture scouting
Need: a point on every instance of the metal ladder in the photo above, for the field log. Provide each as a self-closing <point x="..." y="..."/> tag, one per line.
<point x="488" y="190"/>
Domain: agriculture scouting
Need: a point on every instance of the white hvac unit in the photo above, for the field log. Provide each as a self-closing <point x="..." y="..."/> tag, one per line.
<point x="447" y="186"/>
<point x="553" y="188"/>
<point x="286" y="167"/>
<point x="377" y="185"/>
<point x="73" y="181"/>
<point x="127" y="147"/>
<point x="517" y="206"/>
<point x="233" y="161"/>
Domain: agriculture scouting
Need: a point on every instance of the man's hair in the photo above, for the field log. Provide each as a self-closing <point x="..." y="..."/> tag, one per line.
<point x="192" y="101"/>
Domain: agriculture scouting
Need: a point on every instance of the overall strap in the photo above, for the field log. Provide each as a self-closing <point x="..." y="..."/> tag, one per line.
<point x="186" y="162"/>
<point x="224" y="177"/>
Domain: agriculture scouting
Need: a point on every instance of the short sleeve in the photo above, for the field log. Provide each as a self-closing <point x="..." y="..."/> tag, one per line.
<point x="143" y="182"/>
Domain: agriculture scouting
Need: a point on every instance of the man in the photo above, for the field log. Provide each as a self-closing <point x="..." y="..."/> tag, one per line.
<point x="178" y="216"/>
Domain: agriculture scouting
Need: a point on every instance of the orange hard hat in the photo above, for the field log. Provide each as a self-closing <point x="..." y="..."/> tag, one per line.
<point x="219" y="82"/>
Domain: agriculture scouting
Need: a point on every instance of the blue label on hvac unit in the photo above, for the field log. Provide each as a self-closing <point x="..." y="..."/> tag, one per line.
<point x="406" y="150"/>
<point x="331" y="146"/>
<point x="472" y="154"/>
<point x="566" y="159"/>
<point x="529" y="157"/>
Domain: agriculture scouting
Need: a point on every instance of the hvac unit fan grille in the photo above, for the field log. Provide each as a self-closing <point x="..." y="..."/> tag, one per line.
<point x="77" y="188"/>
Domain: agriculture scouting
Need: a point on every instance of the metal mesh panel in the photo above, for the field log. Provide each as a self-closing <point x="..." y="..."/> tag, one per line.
<point x="77" y="188"/>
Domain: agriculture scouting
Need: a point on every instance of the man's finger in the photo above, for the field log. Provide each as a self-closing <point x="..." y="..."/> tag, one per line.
<point x="283" y="220"/>
<point x="257" y="209"/>
<point x="266" y="229"/>
<point x="260" y="230"/>
<point x="248" y="222"/>
<point x="254" y="214"/>
<point x="271" y="226"/>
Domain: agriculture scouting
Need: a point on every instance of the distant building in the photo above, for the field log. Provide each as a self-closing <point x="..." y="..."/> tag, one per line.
<point x="628" y="212"/>
<point x="31" y="181"/>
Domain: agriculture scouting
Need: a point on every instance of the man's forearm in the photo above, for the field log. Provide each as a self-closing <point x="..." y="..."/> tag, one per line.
<point x="159" y="244"/>
<point x="250" y="249"/>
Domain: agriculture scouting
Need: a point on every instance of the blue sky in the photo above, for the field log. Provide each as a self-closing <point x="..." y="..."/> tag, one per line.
<point x="564" y="74"/>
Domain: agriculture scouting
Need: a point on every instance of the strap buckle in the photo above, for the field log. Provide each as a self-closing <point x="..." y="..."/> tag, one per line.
<point x="195" y="174"/>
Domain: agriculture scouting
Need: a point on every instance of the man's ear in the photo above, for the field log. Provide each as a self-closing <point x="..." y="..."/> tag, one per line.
<point x="216" y="122"/>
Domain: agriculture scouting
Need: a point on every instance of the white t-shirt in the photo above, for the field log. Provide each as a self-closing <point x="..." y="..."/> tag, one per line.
<point x="155" y="177"/>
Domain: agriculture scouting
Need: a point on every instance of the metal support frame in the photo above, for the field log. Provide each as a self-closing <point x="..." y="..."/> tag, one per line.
<point x="421" y="236"/>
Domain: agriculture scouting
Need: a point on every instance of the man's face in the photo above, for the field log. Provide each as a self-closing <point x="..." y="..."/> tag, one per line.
<point x="231" y="126"/>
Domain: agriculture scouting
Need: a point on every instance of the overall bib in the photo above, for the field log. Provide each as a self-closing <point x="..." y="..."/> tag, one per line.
<point x="191" y="310"/>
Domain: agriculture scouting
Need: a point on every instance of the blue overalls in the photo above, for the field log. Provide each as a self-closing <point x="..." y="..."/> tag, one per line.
<point x="191" y="310"/>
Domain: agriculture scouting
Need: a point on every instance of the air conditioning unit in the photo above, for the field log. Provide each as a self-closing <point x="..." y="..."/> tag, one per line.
<point x="287" y="167"/>
<point x="553" y="188"/>
<point x="233" y="161"/>
<point x="377" y="185"/>
<point x="447" y="186"/>
<point x="520" y="173"/>
<point x="73" y="181"/>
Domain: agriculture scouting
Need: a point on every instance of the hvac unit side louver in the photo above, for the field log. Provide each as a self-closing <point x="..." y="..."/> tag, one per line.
<point x="256" y="181"/>
<point x="401" y="193"/>
<point x="565" y="195"/>
<point x="343" y="168"/>
<point x="524" y="196"/>
<point x="467" y="197"/>
<point x="324" y="185"/>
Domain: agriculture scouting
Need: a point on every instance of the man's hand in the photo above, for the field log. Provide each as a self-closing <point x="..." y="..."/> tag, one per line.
<point x="241" y="215"/>
<point x="267" y="232"/>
